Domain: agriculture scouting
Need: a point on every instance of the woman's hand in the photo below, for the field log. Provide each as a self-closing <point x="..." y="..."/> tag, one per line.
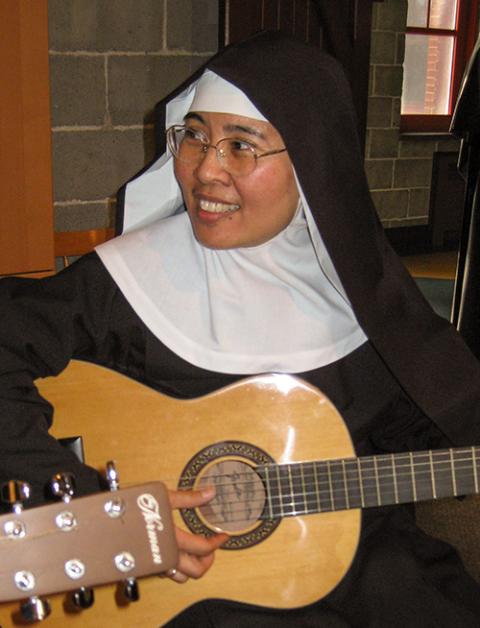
<point x="197" y="552"/>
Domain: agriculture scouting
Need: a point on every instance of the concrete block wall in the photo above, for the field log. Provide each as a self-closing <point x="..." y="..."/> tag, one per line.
<point x="399" y="167"/>
<point x="110" y="62"/>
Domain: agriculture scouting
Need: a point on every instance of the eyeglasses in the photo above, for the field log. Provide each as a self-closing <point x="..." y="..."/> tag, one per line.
<point x="236" y="156"/>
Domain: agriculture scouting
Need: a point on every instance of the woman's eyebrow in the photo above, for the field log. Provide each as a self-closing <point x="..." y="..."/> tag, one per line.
<point x="241" y="128"/>
<point x="191" y="115"/>
<point x="228" y="128"/>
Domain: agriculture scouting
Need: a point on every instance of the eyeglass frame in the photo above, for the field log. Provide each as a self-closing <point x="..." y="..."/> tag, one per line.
<point x="207" y="145"/>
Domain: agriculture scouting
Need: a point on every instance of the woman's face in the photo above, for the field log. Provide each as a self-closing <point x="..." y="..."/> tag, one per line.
<point x="231" y="211"/>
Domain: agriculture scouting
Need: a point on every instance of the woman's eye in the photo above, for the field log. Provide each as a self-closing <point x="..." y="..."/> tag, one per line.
<point x="238" y="146"/>
<point x="192" y="135"/>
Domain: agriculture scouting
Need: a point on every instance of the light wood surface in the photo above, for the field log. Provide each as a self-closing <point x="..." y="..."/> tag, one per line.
<point x="440" y="265"/>
<point x="153" y="437"/>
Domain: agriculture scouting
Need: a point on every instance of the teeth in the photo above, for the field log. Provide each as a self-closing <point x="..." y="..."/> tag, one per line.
<point x="217" y="208"/>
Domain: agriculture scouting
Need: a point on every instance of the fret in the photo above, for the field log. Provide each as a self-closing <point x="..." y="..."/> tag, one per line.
<point x="345" y="485"/>
<point x="286" y="490"/>
<point x="404" y="480"/>
<point x="297" y="488"/>
<point x="452" y="468"/>
<point x="368" y="481"/>
<point x="474" y="464"/>
<point x="377" y="482"/>
<point x="339" y="484"/>
<point x="432" y="475"/>
<point x="330" y="485"/>
<point x="387" y="489"/>
<point x="317" y="492"/>
<point x="324" y="487"/>
<point x="353" y="483"/>
<point x="412" y="471"/>
<point x="464" y="474"/>
<point x="306" y="509"/>
<point x="291" y="490"/>
<point x="445" y="472"/>
<point x="394" y="476"/>
<point x="268" y="488"/>
<point x="360" y="482"/>
<point x="424" y="477"/>
<point x="310" y="487"/>
<point x="280" y="510"/>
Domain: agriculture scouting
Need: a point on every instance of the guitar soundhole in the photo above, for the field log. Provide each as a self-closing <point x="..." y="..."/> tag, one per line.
<point x="240" y="497"/>
<point x="240" y="504"/>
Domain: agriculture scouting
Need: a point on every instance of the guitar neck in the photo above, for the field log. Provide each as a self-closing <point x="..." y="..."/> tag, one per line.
<point x="325" y="486"/>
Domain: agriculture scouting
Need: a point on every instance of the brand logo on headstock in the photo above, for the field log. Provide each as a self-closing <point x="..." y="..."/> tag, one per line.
<point x="153" y="523"/>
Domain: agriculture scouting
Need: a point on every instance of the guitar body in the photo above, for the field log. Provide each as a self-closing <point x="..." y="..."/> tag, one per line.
<point x="154" y="437"/>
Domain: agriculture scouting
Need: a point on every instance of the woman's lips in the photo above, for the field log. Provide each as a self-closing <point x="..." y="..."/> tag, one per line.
<point x="216" y="207"/>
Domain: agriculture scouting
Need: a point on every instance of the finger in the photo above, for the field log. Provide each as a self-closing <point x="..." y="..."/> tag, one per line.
<point x="198" y="544"/>
<point x="191" y="499"/>
<point x="179" y="577"/>
<point x="197" y="553"/>
<point x="176" y="575"/>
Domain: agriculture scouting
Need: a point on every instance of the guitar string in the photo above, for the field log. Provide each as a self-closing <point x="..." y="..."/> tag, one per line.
<point x="306" y="508"/>
<point x="370" y="487"/>
<point x="236" y="507"/>
<point x="353" y="463"/>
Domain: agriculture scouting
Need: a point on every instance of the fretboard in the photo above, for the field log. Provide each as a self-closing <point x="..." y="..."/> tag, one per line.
<point x="323" y="486"/>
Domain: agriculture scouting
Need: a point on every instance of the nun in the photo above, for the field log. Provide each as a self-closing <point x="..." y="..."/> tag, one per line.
<point x="252" y="246"/>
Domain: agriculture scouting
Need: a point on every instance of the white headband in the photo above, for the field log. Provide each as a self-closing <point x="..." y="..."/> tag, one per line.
<point x="215" y="94"/>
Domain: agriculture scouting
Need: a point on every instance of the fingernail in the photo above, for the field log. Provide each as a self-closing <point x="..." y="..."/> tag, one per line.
<point x="208" y="492"/>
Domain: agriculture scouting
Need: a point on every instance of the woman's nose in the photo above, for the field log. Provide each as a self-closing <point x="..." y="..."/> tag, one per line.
<point x="210" y="167"/>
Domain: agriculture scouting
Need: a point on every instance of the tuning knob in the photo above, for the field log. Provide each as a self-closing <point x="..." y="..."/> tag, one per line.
<point x="131" y="590"/>
<point x="35" y="609"/>
<point x="14" y="493"/>
<point x="83" y="598"/>
<point x="62" y="486"/>
<point x="112" y="476"/>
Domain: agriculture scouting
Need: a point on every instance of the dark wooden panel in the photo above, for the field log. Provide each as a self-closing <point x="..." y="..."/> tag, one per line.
<point x="242" y="16"/>
<point x="286" y="15"/>
<point x="270" y="15"/>
<point x="342" y="27"/>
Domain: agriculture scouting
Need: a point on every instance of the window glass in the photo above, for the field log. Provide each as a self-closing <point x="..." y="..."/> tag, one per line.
<point x="442" y="14"/>
<point x="427" y="74"/>
<point x="417" y="13"/>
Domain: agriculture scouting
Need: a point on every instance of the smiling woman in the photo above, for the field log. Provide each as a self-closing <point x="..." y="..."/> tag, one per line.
<point x="279" y="267"/>
<point x="230" y="206"/>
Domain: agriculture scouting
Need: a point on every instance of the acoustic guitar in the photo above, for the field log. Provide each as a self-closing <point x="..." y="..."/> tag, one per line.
<point x="289" y="487"/>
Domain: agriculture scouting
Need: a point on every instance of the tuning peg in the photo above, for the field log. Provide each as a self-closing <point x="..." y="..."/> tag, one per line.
<point x="131" y="590"/>
<point x="83" y="598"/>
<point x="14" y="493"/>
<point x="112" y="476"/>
<point x="62" y="486"/>
<point x="35" y="609"/>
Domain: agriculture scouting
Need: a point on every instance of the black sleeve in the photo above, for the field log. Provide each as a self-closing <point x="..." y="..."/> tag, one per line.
<point x="45" y="323"/>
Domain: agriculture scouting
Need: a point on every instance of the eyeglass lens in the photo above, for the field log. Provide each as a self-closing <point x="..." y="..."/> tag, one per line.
<point x="235" y="156"/>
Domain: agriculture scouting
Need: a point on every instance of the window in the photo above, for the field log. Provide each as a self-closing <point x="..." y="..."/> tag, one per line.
<point x="439" y="39"/>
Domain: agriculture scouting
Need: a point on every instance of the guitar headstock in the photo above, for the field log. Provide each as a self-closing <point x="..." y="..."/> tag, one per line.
<point x="103" y="538"/>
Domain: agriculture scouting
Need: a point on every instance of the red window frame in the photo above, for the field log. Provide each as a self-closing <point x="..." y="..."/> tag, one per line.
<point x="465" y="33"/>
